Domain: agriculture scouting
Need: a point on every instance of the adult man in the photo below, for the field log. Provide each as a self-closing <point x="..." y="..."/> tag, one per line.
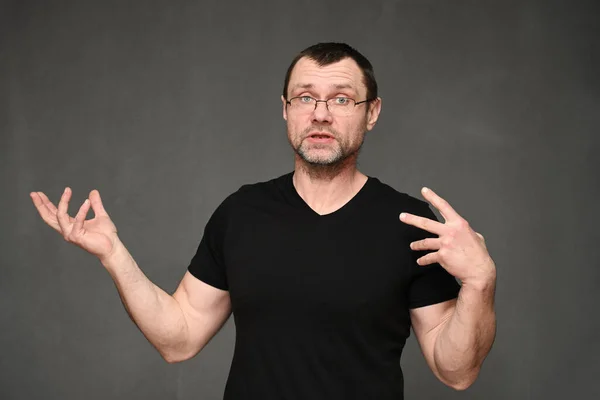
<point x="323" y="279"/>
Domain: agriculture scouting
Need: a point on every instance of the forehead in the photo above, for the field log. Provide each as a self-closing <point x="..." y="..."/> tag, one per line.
<point x="342" y="74"/>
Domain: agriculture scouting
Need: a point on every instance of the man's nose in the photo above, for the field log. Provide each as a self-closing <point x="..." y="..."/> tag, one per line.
<point x="322" y="113"/>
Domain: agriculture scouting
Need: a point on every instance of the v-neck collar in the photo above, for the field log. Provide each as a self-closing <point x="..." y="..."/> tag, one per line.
<point x="347" y="207"/>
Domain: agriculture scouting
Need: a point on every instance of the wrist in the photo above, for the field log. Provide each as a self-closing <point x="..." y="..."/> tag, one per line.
<point x="480" y="286"/>
<point x="479" y="291"/>
<point x="117" y="255"/>
<point x="483" y="282"/>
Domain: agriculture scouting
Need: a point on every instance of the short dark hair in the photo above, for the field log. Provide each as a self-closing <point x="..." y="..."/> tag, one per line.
<point x="328" y="53"/>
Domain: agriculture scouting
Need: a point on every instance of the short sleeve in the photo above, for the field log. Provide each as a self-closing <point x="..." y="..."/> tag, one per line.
<point x="208" y="263"/>
<point x="430" y="284"/>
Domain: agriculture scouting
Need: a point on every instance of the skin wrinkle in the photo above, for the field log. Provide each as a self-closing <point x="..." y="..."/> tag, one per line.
<point x="454" y="368"/>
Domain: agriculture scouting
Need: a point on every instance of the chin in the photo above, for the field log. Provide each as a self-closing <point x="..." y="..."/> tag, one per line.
<point x="318" y="160"/>
<point x="310" y="157"/>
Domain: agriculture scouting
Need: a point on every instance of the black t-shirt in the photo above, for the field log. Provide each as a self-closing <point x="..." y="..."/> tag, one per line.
<point x="320" y="302"/>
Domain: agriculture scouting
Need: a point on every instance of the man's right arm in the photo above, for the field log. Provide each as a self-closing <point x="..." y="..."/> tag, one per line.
<point x="178" y="326"/>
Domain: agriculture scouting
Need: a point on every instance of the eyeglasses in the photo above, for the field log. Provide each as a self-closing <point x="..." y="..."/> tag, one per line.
<point x="339" y="106"/>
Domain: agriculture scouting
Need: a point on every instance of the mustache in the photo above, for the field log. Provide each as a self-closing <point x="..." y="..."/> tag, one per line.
<point x="317" y="128"/>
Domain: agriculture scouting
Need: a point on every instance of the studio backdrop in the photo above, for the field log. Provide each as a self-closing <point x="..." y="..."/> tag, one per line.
<point x="168" y="107"/>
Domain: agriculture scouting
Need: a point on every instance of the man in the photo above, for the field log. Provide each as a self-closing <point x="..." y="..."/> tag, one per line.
<point x="324" y="269"/>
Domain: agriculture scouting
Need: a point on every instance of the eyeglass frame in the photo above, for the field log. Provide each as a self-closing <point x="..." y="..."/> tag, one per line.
<point x="317" y="101"/>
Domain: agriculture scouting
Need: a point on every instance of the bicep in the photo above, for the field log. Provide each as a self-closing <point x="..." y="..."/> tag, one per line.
<point x="204" y="307"/>
<point x="427" y="322"/>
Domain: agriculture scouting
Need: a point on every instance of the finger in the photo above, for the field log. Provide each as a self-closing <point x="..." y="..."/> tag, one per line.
<point x="428" y="259"/>
<point x="38" y="202"/>
<point x="47" y="203"/>
<point x="424" y="223"/>
<point x="96" y="202"/>
<point x="427" y="244"/>
<point x="48" y="217"/>
<point x="80" y="217"/>
<point x="61" y="214"/>
<point x="442" y="205"/>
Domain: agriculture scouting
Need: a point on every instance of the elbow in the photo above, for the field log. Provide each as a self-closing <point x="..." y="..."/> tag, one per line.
<point x="462" y="385"/>
<point x="174" y="357"/>
<point x="464" y="382"/>
<point x="171" y="359"/>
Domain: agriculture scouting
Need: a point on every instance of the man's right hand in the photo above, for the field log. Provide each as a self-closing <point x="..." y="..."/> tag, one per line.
<point x="98" y="235"/>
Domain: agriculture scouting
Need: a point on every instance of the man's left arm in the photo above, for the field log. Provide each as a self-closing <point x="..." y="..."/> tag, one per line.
<point x="455" y="336"/>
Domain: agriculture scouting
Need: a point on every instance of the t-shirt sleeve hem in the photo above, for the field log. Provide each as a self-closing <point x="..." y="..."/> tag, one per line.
<point x="209" y="280"/>
<point x="435" y="300"/>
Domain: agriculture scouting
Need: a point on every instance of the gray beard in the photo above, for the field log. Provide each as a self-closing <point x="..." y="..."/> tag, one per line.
<point x="328" y="169"/>
<point x="337" y="157"/>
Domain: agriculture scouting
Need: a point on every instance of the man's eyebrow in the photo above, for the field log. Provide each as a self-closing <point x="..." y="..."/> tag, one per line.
<point x="343" y="86"/>
<point x="303" y="86"/>
<point x="334" y="85"/>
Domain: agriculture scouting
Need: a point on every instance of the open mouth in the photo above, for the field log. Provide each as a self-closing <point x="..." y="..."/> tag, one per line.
<point x="320" y="135"/>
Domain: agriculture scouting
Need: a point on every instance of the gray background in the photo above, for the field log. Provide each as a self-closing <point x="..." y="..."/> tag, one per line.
<point x="167" y="107"/>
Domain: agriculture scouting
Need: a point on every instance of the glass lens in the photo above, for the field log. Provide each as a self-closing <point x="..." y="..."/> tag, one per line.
<point x="340" y="105"/>
<point x="303" y="104"/>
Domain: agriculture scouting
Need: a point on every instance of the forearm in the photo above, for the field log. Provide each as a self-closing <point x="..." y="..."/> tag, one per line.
<point x="156" y="313"/>
<point x="467" y="337"/>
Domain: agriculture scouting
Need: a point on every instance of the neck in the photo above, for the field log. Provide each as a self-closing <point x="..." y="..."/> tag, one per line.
<point x="327" y="188"/>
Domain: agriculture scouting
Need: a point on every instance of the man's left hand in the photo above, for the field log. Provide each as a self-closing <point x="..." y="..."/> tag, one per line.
<point x="459" y="249"/>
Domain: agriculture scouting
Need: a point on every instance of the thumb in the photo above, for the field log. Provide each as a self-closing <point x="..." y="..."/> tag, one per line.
<point x="97" y="203"/>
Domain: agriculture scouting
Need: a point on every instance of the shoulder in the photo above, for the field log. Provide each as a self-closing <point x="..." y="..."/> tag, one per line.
<point x="387" y="196"/>
<point x="261" y="188"/>
<point x="257" y="192"/>
<point x="391" y="201"/>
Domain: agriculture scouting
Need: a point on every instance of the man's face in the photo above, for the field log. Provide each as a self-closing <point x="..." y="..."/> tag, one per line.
<point x="319" y="137"/>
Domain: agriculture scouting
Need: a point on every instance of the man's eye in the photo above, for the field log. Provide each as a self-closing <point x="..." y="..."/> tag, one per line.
<point x="306" y="99"/>
<point x="342" y="101"/>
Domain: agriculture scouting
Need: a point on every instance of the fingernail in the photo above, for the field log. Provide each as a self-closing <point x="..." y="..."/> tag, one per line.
<point x="425" y="189"/>
<point x="402" y="215"/>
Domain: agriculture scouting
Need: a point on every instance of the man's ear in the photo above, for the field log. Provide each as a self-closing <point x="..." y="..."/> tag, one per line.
<point x="284" y="101"/>
<point x="373" y="113"/>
